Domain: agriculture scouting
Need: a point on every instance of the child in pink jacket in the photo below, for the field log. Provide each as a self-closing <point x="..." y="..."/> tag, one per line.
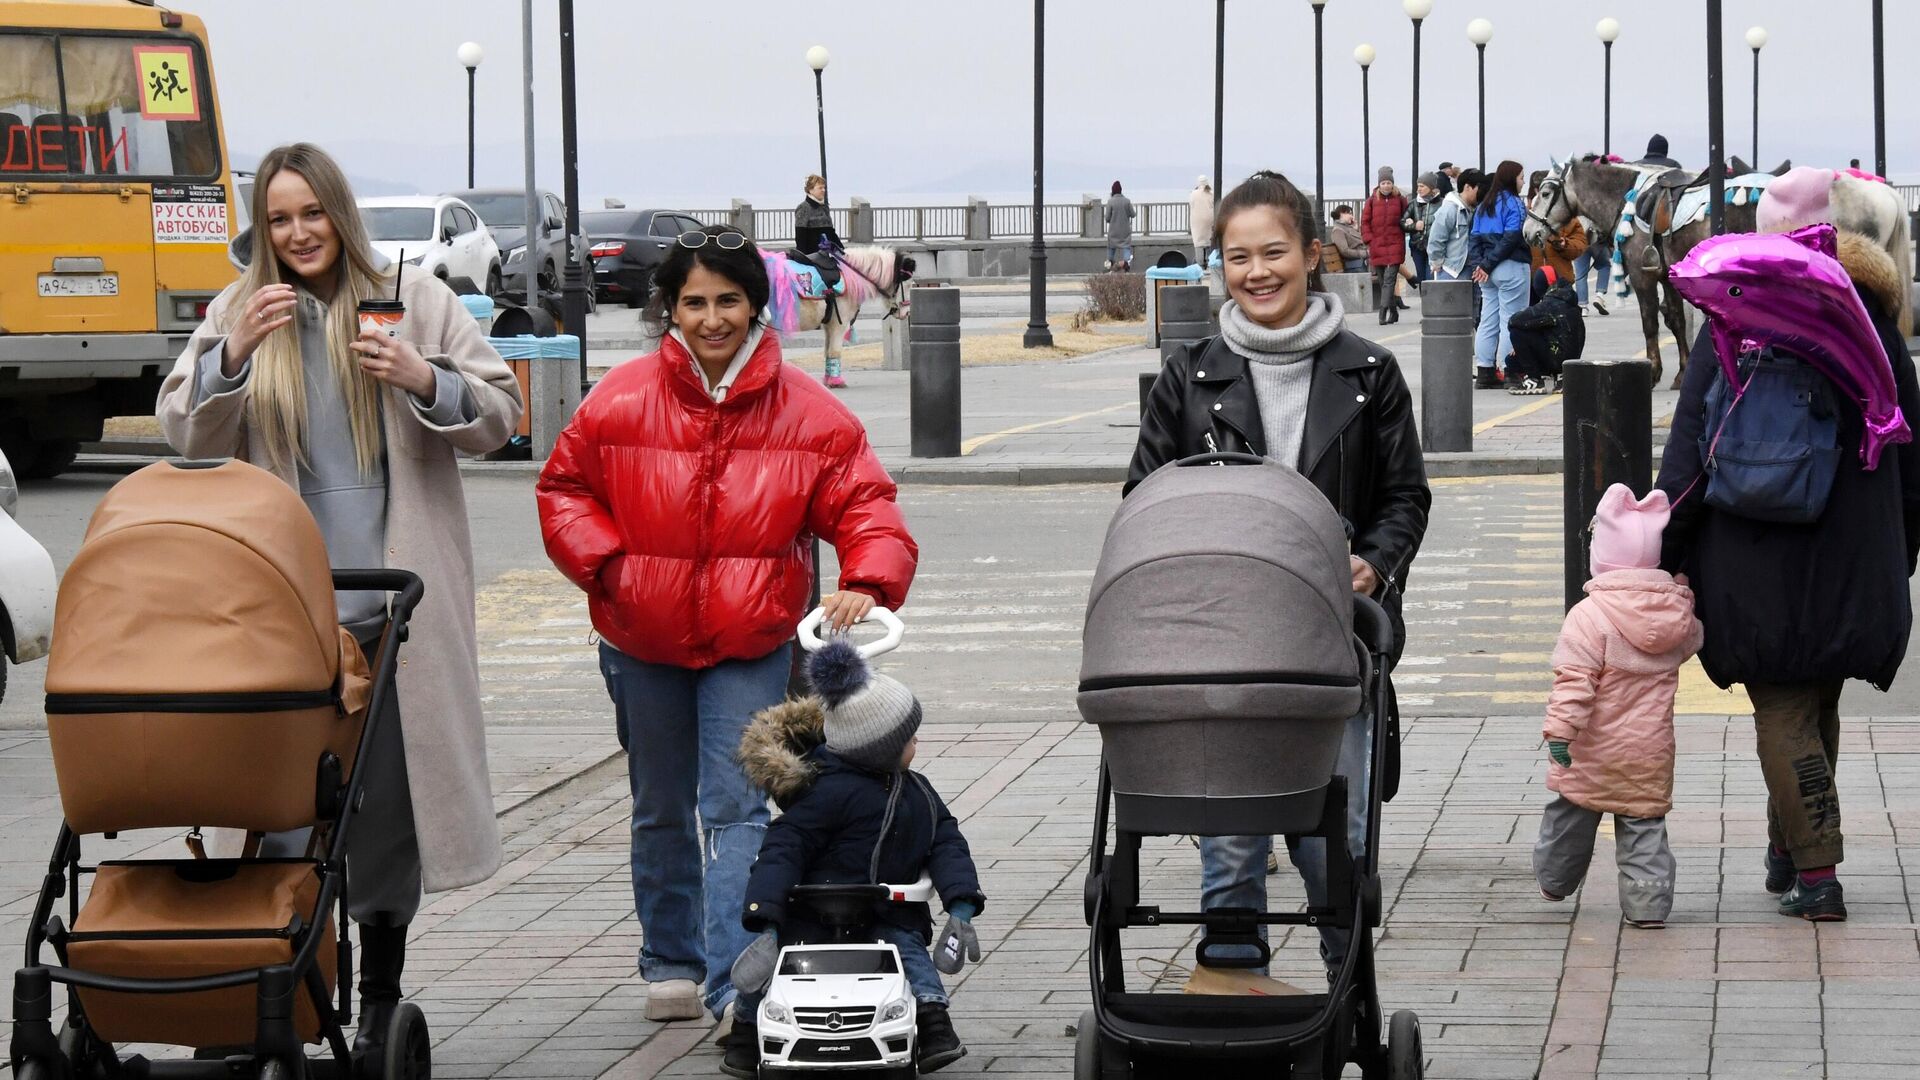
<point x="1609" y="726"/>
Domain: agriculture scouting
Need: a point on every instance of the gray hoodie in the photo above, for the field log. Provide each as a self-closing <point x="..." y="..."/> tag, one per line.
<point x="1447" y="235"/>
<point x="350" y="508"/>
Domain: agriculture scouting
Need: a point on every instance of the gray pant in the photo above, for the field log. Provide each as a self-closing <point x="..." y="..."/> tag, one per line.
<point x="1565" y="850"/>
<point x="383" y="849"/>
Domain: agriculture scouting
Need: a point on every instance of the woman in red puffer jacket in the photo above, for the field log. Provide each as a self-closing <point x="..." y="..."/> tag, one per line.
<point x="682" y="498"/>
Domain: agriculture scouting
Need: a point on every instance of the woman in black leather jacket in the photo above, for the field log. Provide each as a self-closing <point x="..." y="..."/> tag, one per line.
<point x="1286" y="380"/>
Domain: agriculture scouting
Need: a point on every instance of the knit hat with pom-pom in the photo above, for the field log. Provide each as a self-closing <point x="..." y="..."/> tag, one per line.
<point x="869" y="716"/>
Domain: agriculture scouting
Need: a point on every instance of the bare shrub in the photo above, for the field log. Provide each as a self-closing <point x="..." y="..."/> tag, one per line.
<point x="1117" y="297"/>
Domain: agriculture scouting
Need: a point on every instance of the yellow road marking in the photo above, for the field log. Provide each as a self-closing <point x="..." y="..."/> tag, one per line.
<point x="1524" y="410"/>
<point x="979" y="441"/>
<point x="1697" y="694"/>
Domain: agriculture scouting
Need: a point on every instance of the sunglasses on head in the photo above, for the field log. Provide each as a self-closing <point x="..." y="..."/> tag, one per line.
<point x="695" y="239"/>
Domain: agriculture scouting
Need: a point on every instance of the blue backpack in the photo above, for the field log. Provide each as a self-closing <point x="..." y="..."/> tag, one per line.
<point x="1771" y="446"/>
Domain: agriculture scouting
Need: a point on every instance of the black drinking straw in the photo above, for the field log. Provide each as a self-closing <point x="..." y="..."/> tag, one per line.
<point x="401" y="265"/>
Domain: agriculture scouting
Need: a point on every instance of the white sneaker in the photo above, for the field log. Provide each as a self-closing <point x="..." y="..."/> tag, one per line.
<point x="725" y="1027"/>
<point x="674" y="999"/>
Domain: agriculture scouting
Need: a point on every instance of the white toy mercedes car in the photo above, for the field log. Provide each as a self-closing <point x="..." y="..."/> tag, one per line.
<point x="842" y="1004"/>
<point x="27" y="585"/>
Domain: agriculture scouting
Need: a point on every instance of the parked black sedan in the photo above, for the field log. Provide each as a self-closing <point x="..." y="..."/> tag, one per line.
<point x="627" y="246"/>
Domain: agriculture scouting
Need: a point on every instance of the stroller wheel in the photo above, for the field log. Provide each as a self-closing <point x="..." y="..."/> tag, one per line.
<point x="276" y="1069"/>
<point x="1092" y="1059"/>
<point x="1405" y="1058"/>
<point x="409" y="1049"/>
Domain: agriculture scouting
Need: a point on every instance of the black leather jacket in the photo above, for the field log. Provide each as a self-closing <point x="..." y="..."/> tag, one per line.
<point x="1361" y="448"/>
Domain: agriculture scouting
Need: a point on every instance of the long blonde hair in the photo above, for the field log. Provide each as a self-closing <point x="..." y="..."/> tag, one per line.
<point x="277" y="399"/>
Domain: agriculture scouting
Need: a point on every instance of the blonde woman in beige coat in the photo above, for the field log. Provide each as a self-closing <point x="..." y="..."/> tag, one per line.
<point x="365" y="427"/>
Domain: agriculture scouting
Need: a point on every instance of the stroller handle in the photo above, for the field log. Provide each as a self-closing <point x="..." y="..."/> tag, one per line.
<point x="809" y="632"/>
<point x="1371" y="623"/>
<point x="404" y="582"/>
<point x="1220" y="457"/>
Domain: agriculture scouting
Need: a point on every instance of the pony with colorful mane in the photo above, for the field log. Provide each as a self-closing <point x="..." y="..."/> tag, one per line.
<point x="801" y="300"/>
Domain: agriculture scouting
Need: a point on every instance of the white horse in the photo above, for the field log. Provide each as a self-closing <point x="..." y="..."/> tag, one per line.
<point x="1876" y="211"/>
<point x="866" y="272"/>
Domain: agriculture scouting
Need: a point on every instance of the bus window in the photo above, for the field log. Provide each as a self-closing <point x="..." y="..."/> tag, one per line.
<point x="113" y="106"/>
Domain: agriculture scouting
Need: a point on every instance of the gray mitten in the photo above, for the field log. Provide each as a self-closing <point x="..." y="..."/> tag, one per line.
<point x="958" y="944"/>
<point x="754" y="969"/>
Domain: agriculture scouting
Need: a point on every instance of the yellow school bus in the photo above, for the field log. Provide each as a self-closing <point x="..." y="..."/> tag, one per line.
<point x="116" y="206"/>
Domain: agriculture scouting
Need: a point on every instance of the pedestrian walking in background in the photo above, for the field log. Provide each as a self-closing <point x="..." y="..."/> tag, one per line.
<point x="1120" y="215"/>
<point x="1380" y="224"/>
<point x="1346" y="250"/>
<point x="680" y="499"/>
<point x="1426" y="203"/>
<point x="1200" y="220"/>
<point x="1795" y="610"/>
<point x="1599" y="258"/>
<point x="365" y="427"/>
<point x="1609" y="726"/>
<point x="1497" y="252"/>
<point x="1286" y="380"/>
<point x="1448" y="174"/>
<point x="1447" y="230"/>
<point x="1657" y="154"/>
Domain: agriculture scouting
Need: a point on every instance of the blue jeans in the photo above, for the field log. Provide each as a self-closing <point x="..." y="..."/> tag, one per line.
<point x="1603" y="272"/>
<point x="1121" y="252"/>
<point x="680" y="728"/>
<point x="917" y="962"/>
<point x="1502" y="296"/>
<point x="1233" y="869"/>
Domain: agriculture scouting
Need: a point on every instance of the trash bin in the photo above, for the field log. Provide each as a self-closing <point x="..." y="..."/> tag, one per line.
<point x="481" y="308"/>
<point x="521" y="353"/>
<point x="1158" y="278"/>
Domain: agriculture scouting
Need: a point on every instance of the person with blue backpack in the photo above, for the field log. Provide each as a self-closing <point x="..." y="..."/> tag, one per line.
<point x="1500" y="263"/>
<point x="1797" y="532"/>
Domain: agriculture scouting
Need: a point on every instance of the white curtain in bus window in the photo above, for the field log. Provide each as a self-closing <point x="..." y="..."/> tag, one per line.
<point x="29" y="87"/>
<point x="133" y="107"/>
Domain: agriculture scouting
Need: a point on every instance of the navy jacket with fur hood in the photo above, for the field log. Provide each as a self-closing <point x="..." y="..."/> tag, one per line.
<point x="829" y="831"/>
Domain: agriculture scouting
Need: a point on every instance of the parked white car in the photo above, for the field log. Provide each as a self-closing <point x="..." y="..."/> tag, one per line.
<point x="27" y="584"/>
<point x="439" y="233"/>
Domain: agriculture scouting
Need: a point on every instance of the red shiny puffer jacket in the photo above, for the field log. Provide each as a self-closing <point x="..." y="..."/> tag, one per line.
<point x="688" y="523"/>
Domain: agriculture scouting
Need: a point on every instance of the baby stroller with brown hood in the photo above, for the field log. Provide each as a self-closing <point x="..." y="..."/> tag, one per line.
<point x="1224" y="654"/>
<point x="199" y="679"/>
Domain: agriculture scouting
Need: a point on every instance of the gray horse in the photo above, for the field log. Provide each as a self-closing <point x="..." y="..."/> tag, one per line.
<point x="1597" y="191"/>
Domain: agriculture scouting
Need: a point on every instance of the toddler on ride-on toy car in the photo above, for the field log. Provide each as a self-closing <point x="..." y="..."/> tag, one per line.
<point x="853" y="813"/>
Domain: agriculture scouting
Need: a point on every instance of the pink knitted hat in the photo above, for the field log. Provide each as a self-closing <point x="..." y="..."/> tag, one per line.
<point x="1626" y="531"/>
<point x="1796" y="200"/>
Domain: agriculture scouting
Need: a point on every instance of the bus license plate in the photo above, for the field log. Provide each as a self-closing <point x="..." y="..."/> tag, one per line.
<point x="79" y="284"/>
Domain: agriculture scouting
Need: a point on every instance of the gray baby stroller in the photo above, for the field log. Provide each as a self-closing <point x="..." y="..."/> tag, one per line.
<point x="1224" y="653"/>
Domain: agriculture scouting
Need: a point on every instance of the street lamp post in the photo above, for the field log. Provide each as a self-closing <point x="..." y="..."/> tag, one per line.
<point x="1607" y="30"/>
<point x="1756" y="40"/>
<point x="1416" y="10"/>
<point x="1879" y="90"/>
<point x="573" y="279"/>
<point x="1716" y="124"/>
<point x="1219" y="88"/>
<point x="1319" y="120"/>
<point x="1480" y="31"/>
<point x="817" y="60"/>
<point x="1363" y="55"/>
<point x="470" y="54"/>
<point x="1038" y="334"/>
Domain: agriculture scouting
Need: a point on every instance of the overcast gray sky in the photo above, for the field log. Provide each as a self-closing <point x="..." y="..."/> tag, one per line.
<point x="691" y="102"/>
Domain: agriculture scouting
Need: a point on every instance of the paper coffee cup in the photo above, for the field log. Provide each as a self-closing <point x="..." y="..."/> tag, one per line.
<point x="387" y="317"/>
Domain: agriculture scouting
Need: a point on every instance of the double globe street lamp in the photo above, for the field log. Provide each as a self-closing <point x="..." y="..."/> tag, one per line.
<point x="1416" y="10"/>
<point x="817" y="60"/>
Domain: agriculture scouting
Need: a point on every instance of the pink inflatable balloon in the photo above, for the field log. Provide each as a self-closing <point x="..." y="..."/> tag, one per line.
<point x="1788" y="290"/>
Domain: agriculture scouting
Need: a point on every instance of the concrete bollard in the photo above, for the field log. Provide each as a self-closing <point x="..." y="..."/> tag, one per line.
<point x="933" y="345"/>
<point x="893" y="336"/>
<point x="1446" y="366"/>
<point x="1608" y="413"/>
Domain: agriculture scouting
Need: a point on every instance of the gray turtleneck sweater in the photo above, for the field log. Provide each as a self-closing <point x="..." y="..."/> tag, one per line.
<point x="1280" y="363"/>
